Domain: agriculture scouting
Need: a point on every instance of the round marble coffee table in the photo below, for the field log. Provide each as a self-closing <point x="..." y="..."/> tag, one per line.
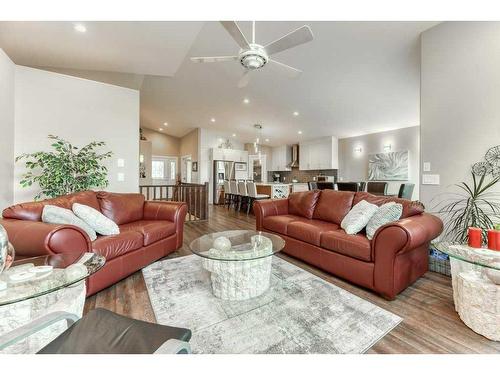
<point x="239" y="261"/>
<point x="475" y="279"/>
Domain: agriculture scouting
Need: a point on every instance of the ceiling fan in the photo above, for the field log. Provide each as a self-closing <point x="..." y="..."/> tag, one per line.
<point x="253" y="56"/>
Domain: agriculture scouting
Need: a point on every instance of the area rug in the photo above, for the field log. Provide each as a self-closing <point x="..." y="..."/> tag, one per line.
<point x="300" y="313"/>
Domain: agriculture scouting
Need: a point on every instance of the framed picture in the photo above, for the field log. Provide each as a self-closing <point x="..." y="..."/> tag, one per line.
<point x="194" y="166"/>
<point x="388" y="166"/>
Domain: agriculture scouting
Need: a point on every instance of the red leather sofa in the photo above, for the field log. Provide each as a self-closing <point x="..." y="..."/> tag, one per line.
<point x="149" y="230"/>
<point x="309" y="222"/>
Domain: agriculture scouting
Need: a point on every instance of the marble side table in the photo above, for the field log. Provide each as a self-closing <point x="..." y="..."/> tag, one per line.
<point x="476" y="286"/>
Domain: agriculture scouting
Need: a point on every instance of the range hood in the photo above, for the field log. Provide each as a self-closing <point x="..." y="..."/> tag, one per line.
<point x="295" y="157"/>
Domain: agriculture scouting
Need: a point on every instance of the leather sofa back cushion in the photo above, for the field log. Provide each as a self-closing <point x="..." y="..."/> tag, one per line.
<point x="303" y="203"/>
<point x="122" y="208"/>
<point x="33" y="210"/>
<point x="333" y="205"/>
<point x="410" y="208"/>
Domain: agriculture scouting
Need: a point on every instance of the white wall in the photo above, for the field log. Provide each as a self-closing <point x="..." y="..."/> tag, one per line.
<point x="353" y="166"/>
<point x="80" y="111"/>
<point x="7" y="74"/>
<point x="460" y="100"/>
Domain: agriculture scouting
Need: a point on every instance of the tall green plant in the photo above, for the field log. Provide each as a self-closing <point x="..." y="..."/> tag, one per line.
<point x="474" y="206"/>
<point x="66" y="169"/>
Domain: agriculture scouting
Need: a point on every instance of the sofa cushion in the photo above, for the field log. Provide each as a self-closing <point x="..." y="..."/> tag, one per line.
<point x="303" y="203"/>
<point x="112" y="247"/>
<point x="410" y="208"/>
<point x="151" y="230"/>
<point x="95" y="219"/>
<point x="333" y="205"/>
<point x="355" y="221"/>
<point x="122" y="208"/>
<point x="354" y="246"/>
<point x="387" y="213"/>
<point x="33" y="210"/>
<point x="58" y="215"/>
<point x="310" y="230"/>
<point x="279" y="223"/>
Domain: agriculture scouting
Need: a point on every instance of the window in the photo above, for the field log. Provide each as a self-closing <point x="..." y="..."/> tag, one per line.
<point x="158" y="170"/>
<point x="172" y="169"/>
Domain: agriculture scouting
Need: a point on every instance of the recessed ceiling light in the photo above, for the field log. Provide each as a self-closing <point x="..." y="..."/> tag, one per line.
<point x="246" y="100"/>
<point x="80" y="28"/>
<point x="300" y="132"/>
<point x="267" y="139"/>
<point x="212" y="119"/>
<point x="160" y="129"/>
<point x="165" y="123"/>
<point x="234" y="135"/>
<point x="295" y="113"/>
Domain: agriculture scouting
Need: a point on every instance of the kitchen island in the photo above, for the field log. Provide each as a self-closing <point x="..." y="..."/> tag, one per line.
<point x="274" y="190"/>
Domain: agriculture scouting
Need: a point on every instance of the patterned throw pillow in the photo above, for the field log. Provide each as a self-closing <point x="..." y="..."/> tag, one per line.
<point x="358" y="217"/>
<point x="58" y="215"/>
<point x="388" y="212"/>
<point x="97" y="221"/>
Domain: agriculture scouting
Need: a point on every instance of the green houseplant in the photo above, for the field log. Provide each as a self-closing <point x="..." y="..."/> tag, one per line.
<point x="66" y="169"/>
<point x="475" y="204"/>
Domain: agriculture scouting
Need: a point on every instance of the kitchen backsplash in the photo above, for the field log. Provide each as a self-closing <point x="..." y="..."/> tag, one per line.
<point x="302" y="176"/>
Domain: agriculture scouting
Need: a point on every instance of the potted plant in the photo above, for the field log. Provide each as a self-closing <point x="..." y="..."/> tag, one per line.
<point x="475" y="204"/>
<point x="66" y="169"/>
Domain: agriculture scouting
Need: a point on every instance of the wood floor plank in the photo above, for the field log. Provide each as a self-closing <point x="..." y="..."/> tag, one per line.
<point x="430" y="323"/>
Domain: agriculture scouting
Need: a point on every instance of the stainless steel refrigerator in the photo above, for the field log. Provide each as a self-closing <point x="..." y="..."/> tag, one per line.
<point x="223" y="170"/>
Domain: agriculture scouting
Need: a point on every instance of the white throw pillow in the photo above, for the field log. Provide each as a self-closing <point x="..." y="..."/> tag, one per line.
<point x="58" y="215"/>
<point x="358" y="217"/>
<point x="96" y="220"/>
<point x="388" y="212"/>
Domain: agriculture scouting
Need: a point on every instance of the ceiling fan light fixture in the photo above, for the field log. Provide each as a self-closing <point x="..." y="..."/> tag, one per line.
<point x="254" y="58"/>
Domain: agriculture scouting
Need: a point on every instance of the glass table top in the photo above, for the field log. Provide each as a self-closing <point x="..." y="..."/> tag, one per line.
<point x="477" y="256"/>
<point x="237" y="245"/>
<point x="33" y="277"/>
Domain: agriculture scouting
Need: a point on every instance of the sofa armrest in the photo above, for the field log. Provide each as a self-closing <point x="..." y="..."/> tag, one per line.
<point x="269" y="207"/>
<point x="395" y="239"/>
<point x="171" y="211"/>
<point x="35" y="238"/>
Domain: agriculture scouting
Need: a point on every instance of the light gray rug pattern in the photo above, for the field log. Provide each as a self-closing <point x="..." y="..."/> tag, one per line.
<point x="300" y="313"/>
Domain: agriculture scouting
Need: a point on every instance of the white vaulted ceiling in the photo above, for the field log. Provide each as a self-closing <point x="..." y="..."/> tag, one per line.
<point x="359" y="77"/>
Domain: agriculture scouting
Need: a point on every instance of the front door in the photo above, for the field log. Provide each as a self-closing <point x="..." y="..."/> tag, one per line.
<point x="164" y="170"/>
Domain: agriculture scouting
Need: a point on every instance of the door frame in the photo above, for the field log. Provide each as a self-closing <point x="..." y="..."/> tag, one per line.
<point x="186" y="161"/>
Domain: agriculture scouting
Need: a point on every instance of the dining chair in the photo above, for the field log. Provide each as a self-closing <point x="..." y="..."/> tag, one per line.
<point x="228" y="196"/>
<point x="253" y="196"/>
<point x="234" y="193"/>
<point x="347" y="186"/>
<point x="377" y="187"/>
<point x="324" y="185"/>
<point x="362" y="185"/>
<point x="406" y="191"/>
<point x="313" y="185"/>
<point x="242" y="191"/>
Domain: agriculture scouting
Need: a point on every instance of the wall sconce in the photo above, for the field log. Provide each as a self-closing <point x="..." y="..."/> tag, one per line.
<point x="141" y="158"/>
<point x="387" y="147"/>
<point x="358" y="149"/>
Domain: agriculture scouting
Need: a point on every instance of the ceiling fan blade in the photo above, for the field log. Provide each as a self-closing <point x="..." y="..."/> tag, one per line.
<point x="245" y="78"/>
<point x="300" y="36"/>
<point x="209" y="59"/>
<point x="290" y="70"/>
<point x="233" y="30"/>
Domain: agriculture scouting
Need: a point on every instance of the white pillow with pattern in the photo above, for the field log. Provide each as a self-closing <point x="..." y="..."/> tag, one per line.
<point x="358" y="217"/>
<point x="388" y="212"/>
<point x="97" y="221"/>
<point x="58" y="215"/>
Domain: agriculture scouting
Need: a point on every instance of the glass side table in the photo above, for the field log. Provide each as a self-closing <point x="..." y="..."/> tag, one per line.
<point x="35" y="291"/>
<point x="475" y="279"/>
<point x="239" y="261"/>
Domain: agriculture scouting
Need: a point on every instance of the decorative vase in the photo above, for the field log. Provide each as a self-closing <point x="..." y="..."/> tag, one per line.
<point x="7" y="252"/>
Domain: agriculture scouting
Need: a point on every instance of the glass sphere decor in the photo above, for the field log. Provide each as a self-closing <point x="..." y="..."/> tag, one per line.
<point x="7" y="252"/>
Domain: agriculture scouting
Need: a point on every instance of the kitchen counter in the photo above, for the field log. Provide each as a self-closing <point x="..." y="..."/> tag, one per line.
<point x="274" y="189"/>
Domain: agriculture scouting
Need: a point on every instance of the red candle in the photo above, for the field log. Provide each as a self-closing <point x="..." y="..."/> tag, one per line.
<point x="492" y="239"/>
<point x="475" y="237"/>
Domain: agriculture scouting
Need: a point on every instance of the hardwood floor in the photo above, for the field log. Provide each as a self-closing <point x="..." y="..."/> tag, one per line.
<point x="430" y="323"/>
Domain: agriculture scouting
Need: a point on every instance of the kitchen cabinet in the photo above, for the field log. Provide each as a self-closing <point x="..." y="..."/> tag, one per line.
<point x="281" y="157"/>
<point x="226" y="154"/>
<point x="319" y="154"/>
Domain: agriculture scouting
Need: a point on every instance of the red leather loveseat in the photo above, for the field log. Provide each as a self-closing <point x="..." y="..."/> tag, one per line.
<point x="309" y="222"/>
<point x="149" y="230"/>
